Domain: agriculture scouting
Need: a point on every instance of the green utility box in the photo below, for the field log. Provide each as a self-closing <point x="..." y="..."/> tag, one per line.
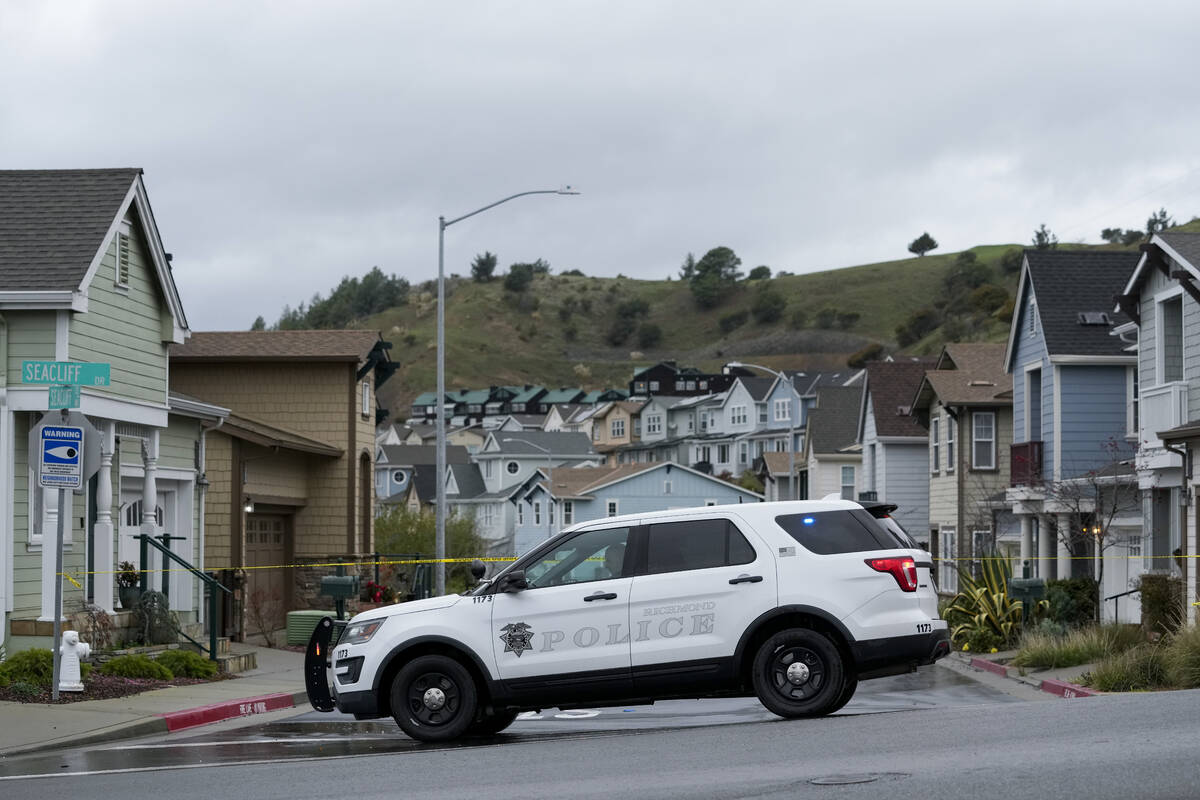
<point x="1028" y="591"/>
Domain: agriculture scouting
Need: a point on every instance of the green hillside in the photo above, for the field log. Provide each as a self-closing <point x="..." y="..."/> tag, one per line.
<point x="557" y="331"/>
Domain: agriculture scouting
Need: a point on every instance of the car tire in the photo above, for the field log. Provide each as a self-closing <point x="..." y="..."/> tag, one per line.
<point x="849" y="686"/>
<point x="491" y="724"/>
<point x="798" y="673"/>
<point x="434" y="699"/>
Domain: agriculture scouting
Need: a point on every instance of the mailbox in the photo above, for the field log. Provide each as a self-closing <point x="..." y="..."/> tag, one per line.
<point x="340" y="587"/>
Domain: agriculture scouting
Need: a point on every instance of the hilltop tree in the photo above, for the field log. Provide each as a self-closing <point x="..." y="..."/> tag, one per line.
<point x="1118" y="236"/>
<point x="353" y="299"/>
<point x="768" y="305"/>
<point x="713" y="275"/>
<point x="922" y="244"/>
<point x="1044" y="238"/>
<point x="688" y="270"/>
<point x="759" y="273"/>
<point x="1159" y="221"/>
<point x="483" y="266"/>
<point x="519" y="277"/>
<point x="260" y="324"/>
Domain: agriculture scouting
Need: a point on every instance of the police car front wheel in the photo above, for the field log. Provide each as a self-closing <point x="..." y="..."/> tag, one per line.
<point x="434" y="698"/>
<point x="798" y="673"/>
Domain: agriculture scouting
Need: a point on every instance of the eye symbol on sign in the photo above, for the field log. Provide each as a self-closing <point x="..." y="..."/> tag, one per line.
<point x="64" y="452"/>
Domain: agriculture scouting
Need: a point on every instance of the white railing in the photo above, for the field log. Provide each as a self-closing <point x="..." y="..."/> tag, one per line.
<point x="1161" y="408"/>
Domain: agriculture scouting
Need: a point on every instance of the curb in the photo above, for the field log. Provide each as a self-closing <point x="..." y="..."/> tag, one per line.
<point x="229" y="709"/>
<point x="1063" y="689"/>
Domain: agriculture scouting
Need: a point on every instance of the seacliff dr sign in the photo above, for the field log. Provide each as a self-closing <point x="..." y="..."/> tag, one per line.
<point x="65" y="373"/>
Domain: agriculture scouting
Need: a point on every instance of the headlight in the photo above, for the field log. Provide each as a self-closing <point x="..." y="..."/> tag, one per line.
<point x="360" y="632"/>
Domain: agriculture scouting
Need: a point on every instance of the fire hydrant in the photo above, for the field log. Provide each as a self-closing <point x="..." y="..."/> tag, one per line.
<point x="70" y="677"/>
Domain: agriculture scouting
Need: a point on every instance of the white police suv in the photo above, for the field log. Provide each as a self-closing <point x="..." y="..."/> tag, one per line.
<point x="795" y="602"/>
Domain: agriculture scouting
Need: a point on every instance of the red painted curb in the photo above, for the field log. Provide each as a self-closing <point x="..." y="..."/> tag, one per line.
<point x="990" y="666"/>
<point x="1067" y="690"/>
<point x="178" y="720"/>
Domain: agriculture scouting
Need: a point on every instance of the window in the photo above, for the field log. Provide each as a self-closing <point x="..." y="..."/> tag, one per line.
<point x="1131" y="392"/>
<point x="611" y="508"/>
<point x="703" y="386"/>
<point x="1170" y="339"/>
<point x="699" y="544"/>
<point x="637" y="426"/>
<point x="512" y="467"/>
<point x="722" y="454"/>
<point x="639" y="387"/>
<point x="691" y="386"/>
<point x="949" y="566"/>
<point x="366" y="399"/>
<point x="487" y="469"/>
<point x="737" y="415"/>
<point x="568" y="512"/>
<point x="123" y="256"/>
<point x="762" y="412"/>
<point x="829" y="532"/>
<point x="781" y="445"/>
<point x="703" y="420"/>
<point x="950" y="426"/>
<point x="537" y="512"/>
<point x="782" y="410"/>
<point x="704" y="453"/>
<point x="587" y="556"/>
<point x="654" y="386"/>
<point x="759" y="447"/>
<point x="743" y="452"/>
<point x="617" y="428"/>
<point x="653" y="424"/>
<point x="666" y="487"/>
<point x="983" y="440"/>
<point x="487" y="515"/>
<point x="935" y="428"/>
<point x="691" y="422"/>
<point x="399" y="477"/>
<point x="847" y="482"/>
<point x="520" y="512"/>
<point x="679" y="386"/>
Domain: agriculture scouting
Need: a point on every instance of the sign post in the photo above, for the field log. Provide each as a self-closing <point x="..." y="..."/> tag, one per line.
<point x="61" y="467"/>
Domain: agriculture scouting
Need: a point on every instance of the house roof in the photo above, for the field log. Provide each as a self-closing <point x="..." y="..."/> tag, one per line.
<point x="424" y="482"/>
<point x="425" y="399"/>
<point x="578" y="481"/>
<point x="562" y="395"/>
<point x="1068" y="284"/>
<point x="529" y="394"/>
<point x="558" y="443"/>
<point x="407" y="455"/>
<point x="968" y="374"/>
<point x="468" y="480"/>
<point x="758" y="388"/>
<point x="527" y="420"/>
<point x="777" y="463"/>
<point x="353" y="346"/>
<point x="53" y="222"/>
<point x="630" y="407"/>
<point x="1187" y="245"/>
<point x="471" y="396"/>
<point x="266" y="435"/>
<point x="892" y="385"/>
<point x="833" y="423"/>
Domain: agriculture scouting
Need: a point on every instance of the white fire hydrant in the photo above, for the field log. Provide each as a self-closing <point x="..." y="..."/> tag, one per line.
<point x="70" y="676"/>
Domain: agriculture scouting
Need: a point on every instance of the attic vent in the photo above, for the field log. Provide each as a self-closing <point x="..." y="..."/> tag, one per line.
<point x="981" y="383"/>
<point x="122" y="259"/>
<point x="903" y="411"/>
<point x="1093" y="318"/>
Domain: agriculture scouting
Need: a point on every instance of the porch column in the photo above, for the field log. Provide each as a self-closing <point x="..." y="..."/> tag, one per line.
<point x="1064" y="550"/>
<point x="1026" y="541"/>
<point x="150" y="485"/>
<point x="1045" y="549"/>
<point x="102" y="538"/>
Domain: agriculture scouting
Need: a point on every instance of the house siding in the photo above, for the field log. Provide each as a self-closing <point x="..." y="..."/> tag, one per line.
<point x="1093" y="413"/>
<point x="1028" y="349"/>
<point x="903" y="472"/>
<point x="30" y="337"/>
<point x="124" y="327"/>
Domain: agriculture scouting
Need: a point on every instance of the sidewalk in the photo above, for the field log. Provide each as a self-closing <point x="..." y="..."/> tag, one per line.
<point x="1060" y="682"/>
<point x="277" y="683"/>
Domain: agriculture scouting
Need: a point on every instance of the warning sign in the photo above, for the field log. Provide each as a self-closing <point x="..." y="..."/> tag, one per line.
<point x="62" y="457"/>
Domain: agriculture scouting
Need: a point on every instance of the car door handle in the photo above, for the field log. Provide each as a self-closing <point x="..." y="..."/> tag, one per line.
<point x="746" y="579"/>
<point x="600" y="596"/>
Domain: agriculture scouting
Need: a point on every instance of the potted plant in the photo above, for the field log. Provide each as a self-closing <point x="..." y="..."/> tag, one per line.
<point x="128" y="584"/>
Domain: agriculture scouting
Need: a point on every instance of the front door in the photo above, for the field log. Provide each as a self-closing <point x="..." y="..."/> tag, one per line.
<point x="566" y="636"/>
<point x="266" y="536"/>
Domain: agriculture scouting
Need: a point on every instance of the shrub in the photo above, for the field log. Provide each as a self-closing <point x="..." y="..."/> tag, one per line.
<point x="1162" y="602"/>
<point x="988" y="297"/>
<point x="649" y="335"/>
<point x="35" y="666"/>
<point x="570" y="332"/>
<point x="632" y="309"/>
<point x="1143" y="667"/>
<point x="1005" y="312"/>
<point x="733" y="321"/>
<point x="768" y="305"/>
<point x="983" y="612"/>
<point x="826" y="317"/>
<point x="1042" y="649"/>
<point x="1183" y="659"/>
<point x="918" y="325"/>
<point x="24" y="690"/>
<point x="137" y="666"/>
<point x="798" y="319"/>
<point x="1072" y="601"/>
<point x="847" y="319"/>
<point x="1011" y="261"/>
<point x="871" y="352"/>
<point x="186" y="664"/>
<point x="620" y="331"/>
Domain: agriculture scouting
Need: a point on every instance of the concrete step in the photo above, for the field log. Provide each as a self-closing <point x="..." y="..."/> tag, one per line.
<point x="235" y="662"/>
<point x="222" y="644"/>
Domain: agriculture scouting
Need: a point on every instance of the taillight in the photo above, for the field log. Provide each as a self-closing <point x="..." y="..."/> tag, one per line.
<point x="904" y="570"/>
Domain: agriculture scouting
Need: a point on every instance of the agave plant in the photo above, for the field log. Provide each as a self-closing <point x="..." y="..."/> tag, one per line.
<point x="983" y="609"/>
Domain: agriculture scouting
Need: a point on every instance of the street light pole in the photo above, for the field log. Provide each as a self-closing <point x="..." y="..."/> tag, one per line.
<point x="793" y="413"/>
<point x="439" y="572"/>
<point x="549" y="480"/>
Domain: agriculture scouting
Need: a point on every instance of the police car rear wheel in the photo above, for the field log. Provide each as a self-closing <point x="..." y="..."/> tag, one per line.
<point x="490" y="724"/>
<point x="798" y="673"/>
<point x="434" y="699"/>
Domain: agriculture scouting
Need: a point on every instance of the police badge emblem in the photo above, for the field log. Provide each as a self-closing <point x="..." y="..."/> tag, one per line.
<point x="516" y="637"/>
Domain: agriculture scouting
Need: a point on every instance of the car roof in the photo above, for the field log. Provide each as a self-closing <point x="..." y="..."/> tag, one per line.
<point x="752" y="512"/>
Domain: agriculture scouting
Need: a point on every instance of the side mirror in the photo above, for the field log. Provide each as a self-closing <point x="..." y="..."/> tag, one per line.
<point x="512" y="581"/>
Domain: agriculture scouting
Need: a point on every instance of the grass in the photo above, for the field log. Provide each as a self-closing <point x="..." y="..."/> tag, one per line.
<point x="1043" y="650"/>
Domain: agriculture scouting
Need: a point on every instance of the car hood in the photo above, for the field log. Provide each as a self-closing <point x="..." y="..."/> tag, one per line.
<point x="411" y="607"/>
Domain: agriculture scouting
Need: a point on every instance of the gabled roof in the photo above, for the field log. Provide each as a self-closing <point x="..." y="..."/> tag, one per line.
<point x="1066" y="285"/>
<point x="1182" y="247"/>
<point x="529" y="394"/>
<point x="55" y="226"/>
<point x="558" y="443"/>
<point x="833" y="423"/>
<point x="472" y="396"/>
<point x="758" y="388"/>
<point x="265" y="435"/>
<point x="581" y="482"/>
<point x="467" y="479"/>
<point x="967" y="374"/>
<point x="562" y="395"/>
<point x="407" y="455"/>
<point x="425" y="399"/>
<point x="891" y="386"/>
<point x="322" y="345"/>
<point x="778" y="463"/>
<point x="630" y="407"/>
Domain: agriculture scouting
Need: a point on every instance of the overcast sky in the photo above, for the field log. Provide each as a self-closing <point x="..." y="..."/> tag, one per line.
<point x="288" y="144"/>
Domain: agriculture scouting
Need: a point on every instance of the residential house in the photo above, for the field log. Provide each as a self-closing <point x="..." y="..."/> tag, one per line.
<point x="744" y="411"/>
<point x="556" y="418"/>
<point x="895" y="447"/>
<point x="1163" y="301"/>
<point x="965" y="402"/>
<point x="616" y="424"/>
<point x="829" y="463"/>
<point x="84" y="278"/>
<point x="598" y="396"/>
<point x="667" y="377"/>
<point x="526" y="400"/>
<point x="394" y="465"/>
<point x="580" y="494"/>
<point x="554" y="397"/>
<point x="772" y="469"/>
<point x="291" y="473"/>
<point x="518" y="422"/>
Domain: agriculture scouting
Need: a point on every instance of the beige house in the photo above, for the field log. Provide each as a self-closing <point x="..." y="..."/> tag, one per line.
<point x="615" y="425"/>
<point x="290" y="472"/>
<point x="965" y="402"/>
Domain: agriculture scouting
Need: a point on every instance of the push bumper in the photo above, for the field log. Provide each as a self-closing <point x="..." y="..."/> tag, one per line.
<point x="316" y="665"/>
<point x="893" y="655"/>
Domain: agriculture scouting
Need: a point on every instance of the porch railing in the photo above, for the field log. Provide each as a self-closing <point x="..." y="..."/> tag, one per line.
<point x="1026" y="460"/>
<point x="145" y="542"/>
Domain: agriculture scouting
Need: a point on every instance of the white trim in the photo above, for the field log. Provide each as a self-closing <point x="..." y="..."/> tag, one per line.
<point x="1167" y="294"/>
<point x="6" y="511"/>
<point x="1159" y="352"/>
<point x="1094" y="360"/>
<point x="1137" y="274"/>
<point x="43" y="301"/>
<point x="1178" y="259"/>
<point x="196" y="408"/>
<point x="614" y="506"/>
<point x="62" y="335"/>
<point x="1028" y="368"/>
<point x="995" y="441"/>
<point x="1131" y="385"/>
<point x="34" y="398"/>
<point x="114" y="228"/>
<point x="165" y="473"/>
<point x="1058" y="427"/>
<point x="1010" y="349"/>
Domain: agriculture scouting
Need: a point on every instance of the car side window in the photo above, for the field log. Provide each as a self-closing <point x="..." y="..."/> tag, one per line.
<point x="588" y="556"/>
<point x="831" y="532"/>
<point x="696" y="544"/>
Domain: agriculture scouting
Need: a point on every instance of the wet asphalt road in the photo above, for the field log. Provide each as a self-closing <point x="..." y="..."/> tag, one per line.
<point x="314" y="735"/>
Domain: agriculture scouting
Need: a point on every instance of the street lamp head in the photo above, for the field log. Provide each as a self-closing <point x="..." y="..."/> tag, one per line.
<point x="567" y="189"/>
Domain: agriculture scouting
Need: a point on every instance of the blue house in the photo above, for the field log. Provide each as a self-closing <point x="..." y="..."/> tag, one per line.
<point x="1074" y="422"/>
<point x="585" y="493"/>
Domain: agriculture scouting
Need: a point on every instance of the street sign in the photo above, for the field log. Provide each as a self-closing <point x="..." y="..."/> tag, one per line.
<point x="70" y="373"/>
<point x="63" y="397"/>
<point x="61" y="457"/>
